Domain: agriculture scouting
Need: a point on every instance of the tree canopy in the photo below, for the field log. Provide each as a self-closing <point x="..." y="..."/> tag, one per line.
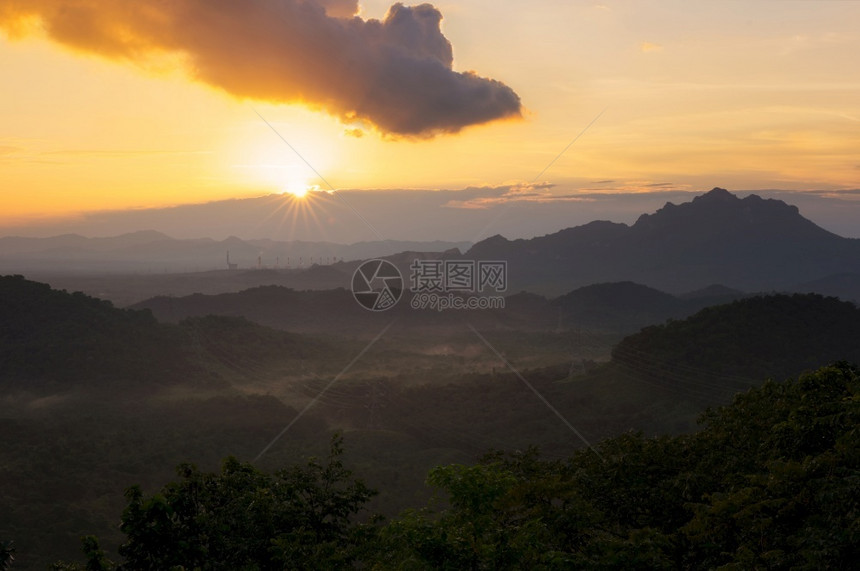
<point x="770" y="481"/>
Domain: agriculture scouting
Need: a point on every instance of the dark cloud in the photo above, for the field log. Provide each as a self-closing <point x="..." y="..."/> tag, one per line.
<point x="394" y="73"/>
<point x="340" y="8"/>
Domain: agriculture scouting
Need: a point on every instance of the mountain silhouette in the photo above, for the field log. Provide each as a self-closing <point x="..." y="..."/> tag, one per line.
<point x="148" y="251"/>
<point x="622" y="307"/>
<point x="750" y="244"/>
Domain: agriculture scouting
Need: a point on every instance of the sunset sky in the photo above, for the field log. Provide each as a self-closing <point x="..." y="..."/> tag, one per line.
<point x="109" y="105"/>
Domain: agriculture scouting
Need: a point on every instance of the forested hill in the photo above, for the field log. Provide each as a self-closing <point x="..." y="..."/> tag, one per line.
<point x="774" y="336"/>
<point x="53" y="341"/>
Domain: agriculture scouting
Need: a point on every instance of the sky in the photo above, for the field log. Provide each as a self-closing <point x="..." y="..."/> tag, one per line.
<point x="111" y="106"/>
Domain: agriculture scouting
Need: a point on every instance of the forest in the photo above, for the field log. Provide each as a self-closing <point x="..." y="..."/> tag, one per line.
<point x="770" y="481"/>
<point x="716" y="440"/>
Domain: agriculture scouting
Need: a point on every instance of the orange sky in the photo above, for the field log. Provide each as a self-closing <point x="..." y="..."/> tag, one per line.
<point x="744" y="95"/>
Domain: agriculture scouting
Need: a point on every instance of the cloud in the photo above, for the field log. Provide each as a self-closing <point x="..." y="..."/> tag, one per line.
<point x="670" y="185"/>
<point x="650" y="47"/>
<point x="489" y="196"/>
<point x="340" y="8"/>
<point x="395" y="73"/>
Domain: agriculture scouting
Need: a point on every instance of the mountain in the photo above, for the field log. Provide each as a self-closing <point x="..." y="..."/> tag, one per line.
<point x="774" y="336"/>
<point x="151" y="251"/>
<point x="751" y="244"/>
<point x="713" y="291"/>
<point x="318" y="311"/>
<point x="619" y="306"/>
<point x="843" y="286"/>
<point x="622" y="307"/>
<point x="14" y="245"/>
<point x="272" y="306"/>
<point x="55" y="341"/>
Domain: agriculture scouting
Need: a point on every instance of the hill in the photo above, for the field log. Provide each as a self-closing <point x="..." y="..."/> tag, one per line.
<point x="53" y="341"/>
<point x="151" y="251"/>
<point x="627" y="307"/>
<point x="622" y="307"/>
<point x="775" y="336"/>
<point x="272" y="306"/>
<point x="210" y="386"/>
<point x="843" y="286"/>
<point x="749" y="244"/>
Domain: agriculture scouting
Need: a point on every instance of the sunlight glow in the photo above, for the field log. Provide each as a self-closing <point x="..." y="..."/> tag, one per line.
<point x="297" y="188"/>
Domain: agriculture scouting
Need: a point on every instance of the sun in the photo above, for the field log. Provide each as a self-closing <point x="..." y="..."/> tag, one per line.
<point x="298" y="192"/>
<point x="297" y="188"/>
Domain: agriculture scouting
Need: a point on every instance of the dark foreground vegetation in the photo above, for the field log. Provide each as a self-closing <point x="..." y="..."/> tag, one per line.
<point x="95" y="398"/>
<point x="771" y="481"/>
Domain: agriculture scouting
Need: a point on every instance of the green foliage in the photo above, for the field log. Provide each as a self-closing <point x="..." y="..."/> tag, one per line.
<point x="788" y="470"/>
<point x="7" y="555"/>
<point x="52" y="338"/>
<point x="239" y="349"/>
<point x="770" y="481"/>
<point x="773" y="481"/>
<point x="299" y="518"/>
<point x="776" y="336"/>
<point x="95" y="558"/>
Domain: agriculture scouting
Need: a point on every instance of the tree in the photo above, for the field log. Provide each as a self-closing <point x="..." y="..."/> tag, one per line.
<point x="786" y="463"/>
<point x="302" y="517"/>
<point x="7" y="555"/>
<point x="96" y="560"/>
<point x="772" y="481"/>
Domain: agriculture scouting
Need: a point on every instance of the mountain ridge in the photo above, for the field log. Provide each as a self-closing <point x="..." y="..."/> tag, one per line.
<point x="149" y="250"/>
<point x="619" y="307"/>
<point x="746" y="244"/>
<point x="750" y="244"/>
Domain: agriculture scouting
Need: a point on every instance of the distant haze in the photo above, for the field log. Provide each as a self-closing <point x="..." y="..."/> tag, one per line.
<point x="466" y="215"/>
